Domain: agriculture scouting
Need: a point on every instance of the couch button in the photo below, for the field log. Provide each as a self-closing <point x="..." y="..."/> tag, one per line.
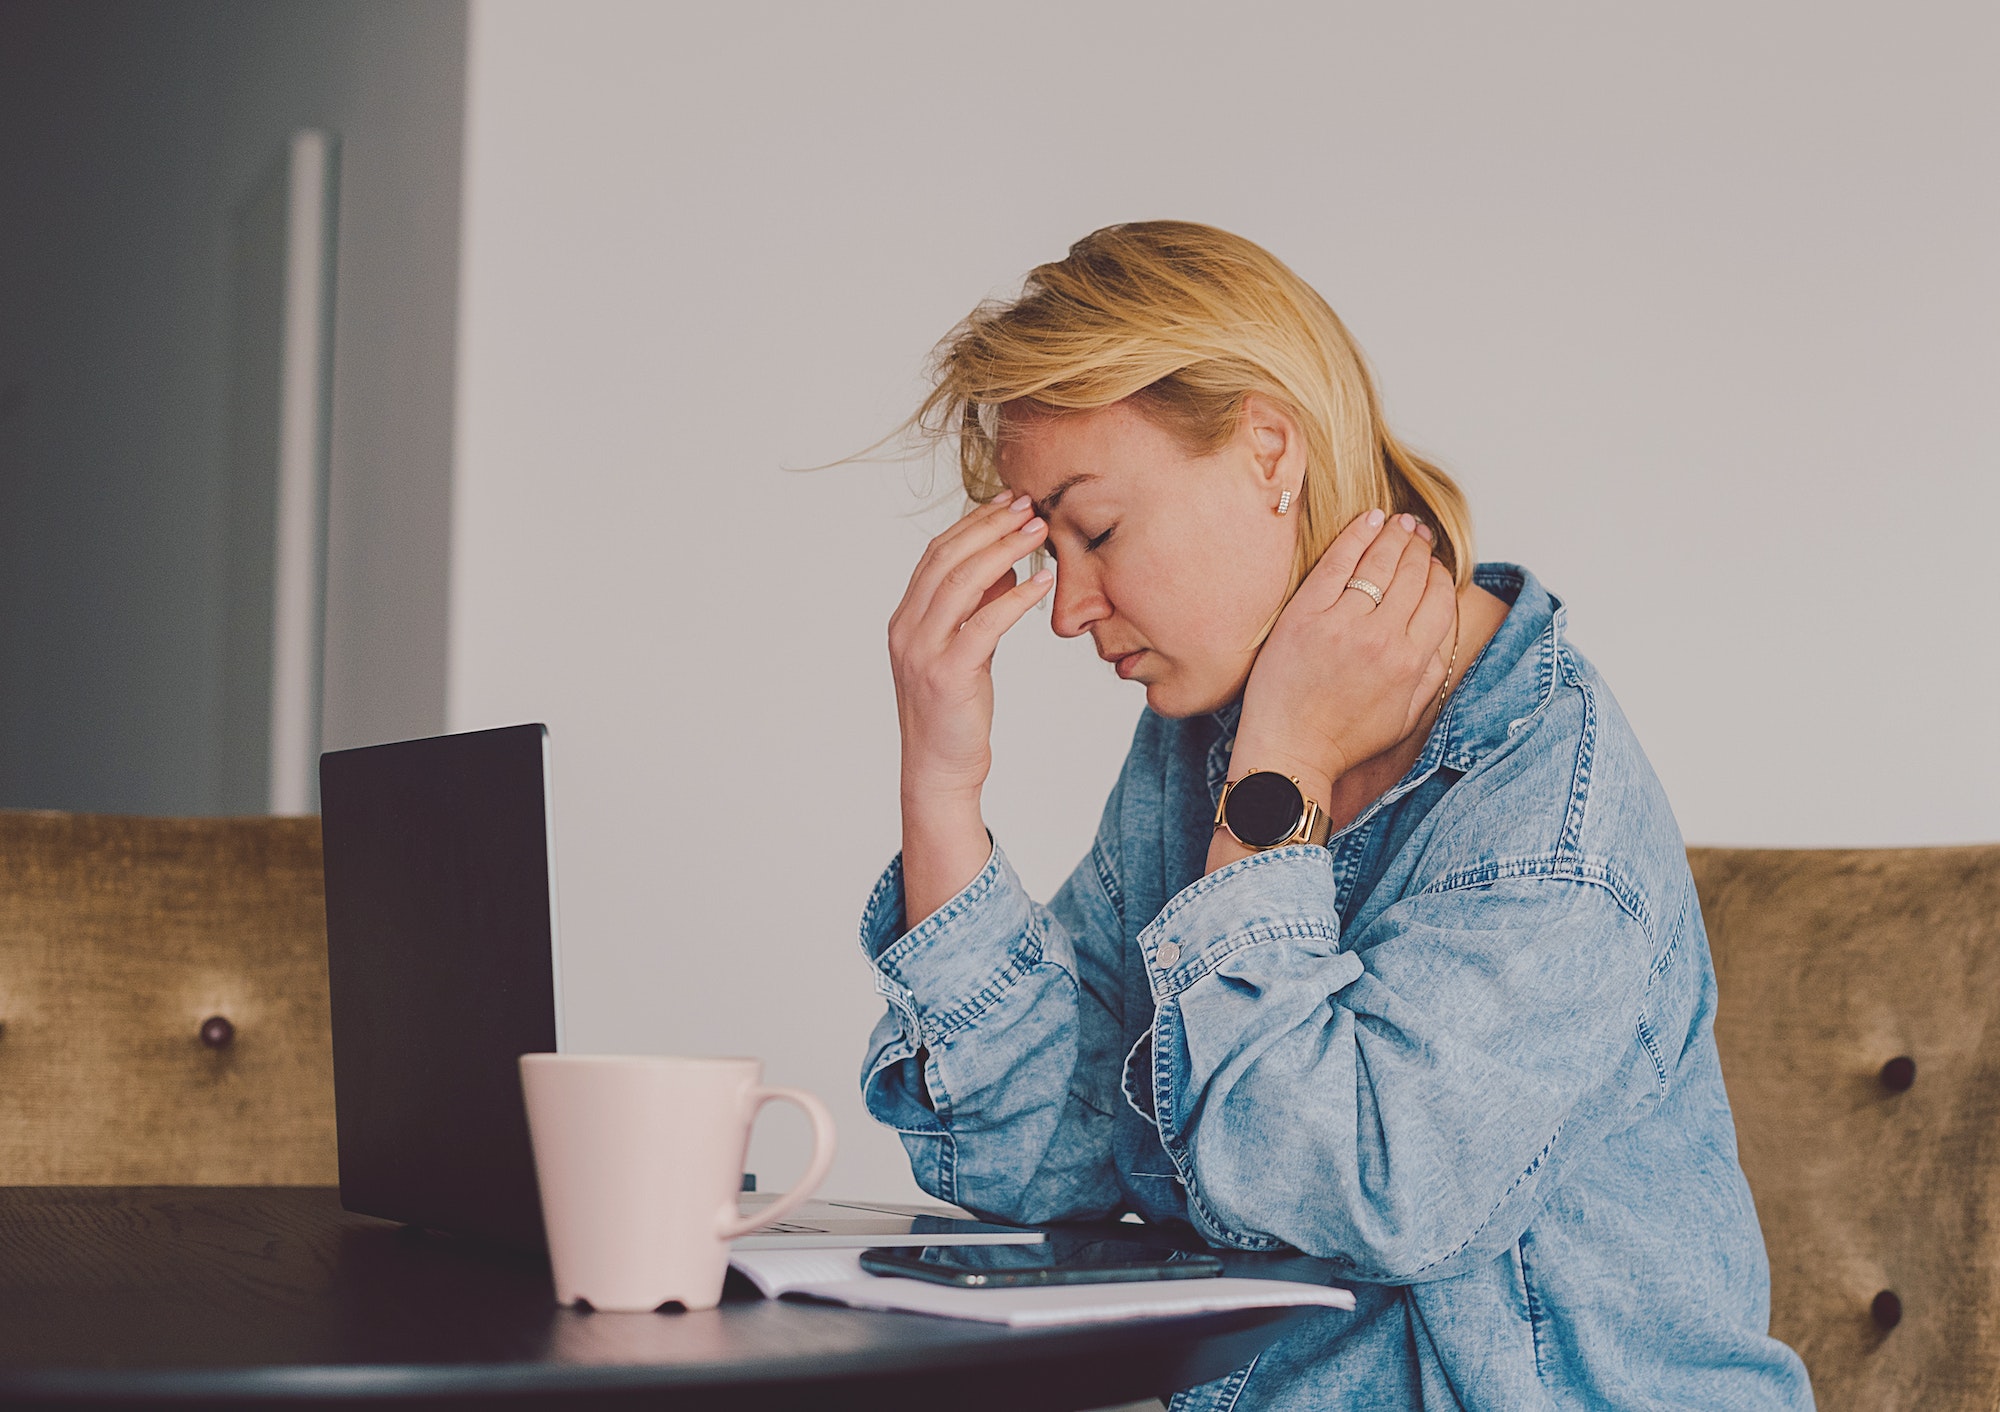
<point x="1899" y="1073"/>
<point x="1887" y="1309"/>
<point x="216" y="1032"/>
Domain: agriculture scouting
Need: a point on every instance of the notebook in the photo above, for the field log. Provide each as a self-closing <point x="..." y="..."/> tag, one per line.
<point x="836" y="1275"/>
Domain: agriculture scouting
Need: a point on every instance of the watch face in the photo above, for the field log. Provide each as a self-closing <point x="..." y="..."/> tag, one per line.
<point x="1263" y="808"/>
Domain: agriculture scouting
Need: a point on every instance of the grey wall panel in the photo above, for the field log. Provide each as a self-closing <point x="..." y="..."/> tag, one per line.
<point x="128" y="135"/>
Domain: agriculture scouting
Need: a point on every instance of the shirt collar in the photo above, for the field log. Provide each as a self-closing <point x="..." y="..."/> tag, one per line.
<point x="1513" y="677"/>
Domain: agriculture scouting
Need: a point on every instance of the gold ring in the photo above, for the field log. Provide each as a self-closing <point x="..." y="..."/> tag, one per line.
<point x="1368" y="588"/>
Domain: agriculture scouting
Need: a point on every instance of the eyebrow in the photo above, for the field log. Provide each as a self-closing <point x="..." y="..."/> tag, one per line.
<point x="1048" y="502"/>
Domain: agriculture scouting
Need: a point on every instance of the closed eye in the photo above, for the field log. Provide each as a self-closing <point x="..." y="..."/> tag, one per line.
<point x="1091" y="545"/>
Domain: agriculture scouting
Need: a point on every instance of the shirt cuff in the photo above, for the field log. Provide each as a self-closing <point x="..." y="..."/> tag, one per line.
<point x="1279" y="893"/>
<point x="961" y="958"/>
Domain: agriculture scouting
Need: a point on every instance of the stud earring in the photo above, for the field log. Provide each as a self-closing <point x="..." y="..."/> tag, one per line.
<point x="1284" y="502"/>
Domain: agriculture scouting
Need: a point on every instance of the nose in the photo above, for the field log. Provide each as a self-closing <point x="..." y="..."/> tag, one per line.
<point x="1079" y="602"/>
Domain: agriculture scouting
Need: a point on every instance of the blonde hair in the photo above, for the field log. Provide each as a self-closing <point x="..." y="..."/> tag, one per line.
<point x="1186" y="321"/>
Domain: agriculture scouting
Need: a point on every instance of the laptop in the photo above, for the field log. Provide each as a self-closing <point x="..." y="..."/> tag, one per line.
<point x="444" y="968"/>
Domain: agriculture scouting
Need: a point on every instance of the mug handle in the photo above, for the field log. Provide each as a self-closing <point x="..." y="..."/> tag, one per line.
<point x="735" y="1224"/>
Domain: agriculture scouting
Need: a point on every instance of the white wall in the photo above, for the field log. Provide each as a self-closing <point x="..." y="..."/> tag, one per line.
<point x="1699" y="302"/>
<point x="129" y="133"/>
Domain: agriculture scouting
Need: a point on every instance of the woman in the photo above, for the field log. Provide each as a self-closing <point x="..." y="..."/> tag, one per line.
<point x="1386" y="949"/>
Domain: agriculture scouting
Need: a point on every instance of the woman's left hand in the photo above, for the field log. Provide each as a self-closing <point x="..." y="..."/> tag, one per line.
<point x="1340" y="680"/>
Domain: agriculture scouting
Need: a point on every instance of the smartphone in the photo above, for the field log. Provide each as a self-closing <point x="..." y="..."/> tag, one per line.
<point x="1059" y="1260"/>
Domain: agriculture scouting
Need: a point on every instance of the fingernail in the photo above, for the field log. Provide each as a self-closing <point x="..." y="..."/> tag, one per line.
<point x="1045" y="576"/>
<point x="1408" y="522"/>
<point x="1021" y="502"/>
<point x="1037" y="523"/>
<point x="1425" y="531"/>
<point x="1374" y="519"/>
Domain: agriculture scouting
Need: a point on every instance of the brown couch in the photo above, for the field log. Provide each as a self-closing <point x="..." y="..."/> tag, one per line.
<point x="1859" y="1025"/>
<point x="163" y="1010"/>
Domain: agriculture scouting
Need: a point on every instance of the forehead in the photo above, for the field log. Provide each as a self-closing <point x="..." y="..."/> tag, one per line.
<point x="1045" y="454"/>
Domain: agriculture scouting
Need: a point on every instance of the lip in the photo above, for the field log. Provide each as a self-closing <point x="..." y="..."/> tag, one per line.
<point x="1124" y="663"/>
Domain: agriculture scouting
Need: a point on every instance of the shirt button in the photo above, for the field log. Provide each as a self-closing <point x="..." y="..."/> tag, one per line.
<point x="1167" y="953"/>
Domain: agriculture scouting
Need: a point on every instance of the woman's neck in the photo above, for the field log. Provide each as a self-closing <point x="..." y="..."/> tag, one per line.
<point x="1479" y="617"/>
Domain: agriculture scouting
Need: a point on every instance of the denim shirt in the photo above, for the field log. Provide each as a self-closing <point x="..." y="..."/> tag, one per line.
<point x="1465" y="1051"/>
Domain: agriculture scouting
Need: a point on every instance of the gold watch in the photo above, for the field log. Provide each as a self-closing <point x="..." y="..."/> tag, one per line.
<point x="1265" y="809"/>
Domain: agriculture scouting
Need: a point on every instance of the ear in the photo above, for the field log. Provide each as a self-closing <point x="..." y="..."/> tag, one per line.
<point x="1277" y="447"/>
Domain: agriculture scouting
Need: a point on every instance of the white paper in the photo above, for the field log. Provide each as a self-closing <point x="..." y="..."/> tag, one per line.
<point x="837" y="1275"/>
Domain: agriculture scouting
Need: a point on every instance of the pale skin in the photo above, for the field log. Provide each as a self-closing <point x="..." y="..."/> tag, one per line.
<point x="1172" y="562"/>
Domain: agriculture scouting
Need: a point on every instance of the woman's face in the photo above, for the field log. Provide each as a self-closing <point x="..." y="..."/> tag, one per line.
<point x="1172" y="562"/>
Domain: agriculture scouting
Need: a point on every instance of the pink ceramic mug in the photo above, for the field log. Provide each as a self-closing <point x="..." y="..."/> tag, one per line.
<point x="640" y="1158"/>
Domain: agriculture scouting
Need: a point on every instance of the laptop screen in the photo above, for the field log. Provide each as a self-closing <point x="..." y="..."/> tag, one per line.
<point x="441" y="961"/>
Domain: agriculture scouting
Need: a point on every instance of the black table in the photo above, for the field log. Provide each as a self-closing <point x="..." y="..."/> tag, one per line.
<point x="159" y="1296"/>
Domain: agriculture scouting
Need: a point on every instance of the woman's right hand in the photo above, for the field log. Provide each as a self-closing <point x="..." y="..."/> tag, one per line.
<point x="962" y="598"/>
<point x="960" y="601"/>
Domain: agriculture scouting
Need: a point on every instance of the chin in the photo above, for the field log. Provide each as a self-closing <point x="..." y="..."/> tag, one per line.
<point x="1177" y="698"/>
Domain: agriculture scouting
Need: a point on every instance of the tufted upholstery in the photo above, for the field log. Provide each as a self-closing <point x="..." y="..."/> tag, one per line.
<point x="119" y="939"/>
<point x="1831" y="964"/>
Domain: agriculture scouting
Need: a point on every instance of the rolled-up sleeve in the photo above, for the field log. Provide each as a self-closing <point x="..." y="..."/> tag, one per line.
<point x="1388" y="1100"/>
<point x="995" y="1060"/>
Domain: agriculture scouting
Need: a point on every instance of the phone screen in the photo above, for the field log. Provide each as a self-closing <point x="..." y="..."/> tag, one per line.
<point x="1060" y="1259"/>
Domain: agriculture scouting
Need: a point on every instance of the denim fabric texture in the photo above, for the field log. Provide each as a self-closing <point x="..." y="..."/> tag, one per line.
<point x="1465" y="1051"/>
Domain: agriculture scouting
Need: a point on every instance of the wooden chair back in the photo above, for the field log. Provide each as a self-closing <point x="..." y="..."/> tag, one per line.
<point x="163" y="1002"/>
<point x="1859" y="1024"/>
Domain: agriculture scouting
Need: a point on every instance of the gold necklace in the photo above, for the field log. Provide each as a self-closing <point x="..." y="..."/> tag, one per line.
<point x="1445" y="686"/>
